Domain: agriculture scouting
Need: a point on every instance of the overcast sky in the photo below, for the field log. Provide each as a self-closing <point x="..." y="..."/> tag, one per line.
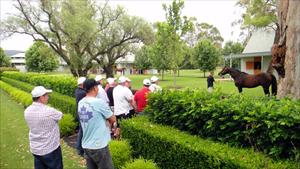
<point x="220" y="13"/>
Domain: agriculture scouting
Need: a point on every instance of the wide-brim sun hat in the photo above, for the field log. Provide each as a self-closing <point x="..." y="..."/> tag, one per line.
<point x="39" y="91"/>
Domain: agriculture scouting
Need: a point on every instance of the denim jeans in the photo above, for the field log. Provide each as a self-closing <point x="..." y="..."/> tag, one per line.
<point x="78" y="142"/>
<point x="98" y="159"/>
<point x="52" y="160"/>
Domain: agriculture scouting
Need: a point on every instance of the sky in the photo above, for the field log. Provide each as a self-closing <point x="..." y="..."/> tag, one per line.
<point x="220" y="13"/>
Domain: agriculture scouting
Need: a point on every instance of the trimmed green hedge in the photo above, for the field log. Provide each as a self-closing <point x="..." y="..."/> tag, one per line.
<point x="265" y="124"/>
<point x="64" y="103"/>
<point x="62" y="84"/>
<point x="2" y="69"/>
<point x="66" y="125"/>
<point x="140" y="164"/>
<point x="121" y="152"/>
<point x="19" y="95"/>
<point x="172" y="149"/>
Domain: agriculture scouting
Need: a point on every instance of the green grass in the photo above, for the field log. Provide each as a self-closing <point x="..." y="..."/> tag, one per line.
<point x="14" y="143"/>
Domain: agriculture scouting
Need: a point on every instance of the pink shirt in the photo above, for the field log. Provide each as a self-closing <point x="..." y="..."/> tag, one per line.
<point x="42" y="121"/>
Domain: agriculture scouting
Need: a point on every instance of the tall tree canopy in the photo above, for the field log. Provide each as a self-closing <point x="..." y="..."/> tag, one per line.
<point x="78" y="31"/>
<point x="40" y="58"/>
<point x="232" y="48"/>
<point x="4" y="60"/>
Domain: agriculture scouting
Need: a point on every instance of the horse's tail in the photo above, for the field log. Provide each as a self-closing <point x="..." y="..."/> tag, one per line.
<point x="274" y="85"/>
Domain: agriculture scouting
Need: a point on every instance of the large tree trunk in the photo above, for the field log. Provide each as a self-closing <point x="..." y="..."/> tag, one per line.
<point x="109" y="70"/>
<point x="289" y="19"/>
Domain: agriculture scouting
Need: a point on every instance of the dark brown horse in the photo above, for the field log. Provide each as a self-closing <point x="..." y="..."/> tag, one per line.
<point x="244" y="80"/>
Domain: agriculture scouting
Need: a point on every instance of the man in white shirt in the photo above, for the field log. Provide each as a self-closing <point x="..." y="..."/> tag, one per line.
<point x="44" y="137"/>
<point x="123" y="99"/>
<point x="101" y="92"/>
<point x="154" y="86"/>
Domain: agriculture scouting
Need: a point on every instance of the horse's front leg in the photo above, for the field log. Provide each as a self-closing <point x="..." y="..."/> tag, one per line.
<point x="240" y="89"/>
<point x="266" y="91"/>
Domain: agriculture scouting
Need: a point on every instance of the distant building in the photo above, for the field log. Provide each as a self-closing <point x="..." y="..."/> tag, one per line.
<point x="18" y="60"/>
<point x="257" y="53"/>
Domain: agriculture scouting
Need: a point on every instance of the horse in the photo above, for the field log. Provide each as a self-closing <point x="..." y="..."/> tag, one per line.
<point x="245" y="80"/>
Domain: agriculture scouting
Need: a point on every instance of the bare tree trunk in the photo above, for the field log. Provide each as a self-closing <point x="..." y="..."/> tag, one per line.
<point x="108" y="70"/>
<point x="289" y="19"/>
<point x="162" y="74"/>
<point x="174" y="77"/>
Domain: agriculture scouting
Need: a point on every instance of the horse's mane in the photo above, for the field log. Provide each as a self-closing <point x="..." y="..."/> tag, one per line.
<point x="239" y="71"/>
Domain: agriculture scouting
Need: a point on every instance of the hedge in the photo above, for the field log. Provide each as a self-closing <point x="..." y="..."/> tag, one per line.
<point x="67" y="124"/>
<point x="140" y="164"/>
<point x="64" y="103"/>
<point x="121" y="152"/>
<point x="265" y="124"/>
<point x="2" y="69"/>
<point x="171" y="148"/>
<point x="62" y="84"/>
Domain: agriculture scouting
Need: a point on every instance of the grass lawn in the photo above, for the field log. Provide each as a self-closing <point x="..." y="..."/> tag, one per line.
<point x="14" y="143"/>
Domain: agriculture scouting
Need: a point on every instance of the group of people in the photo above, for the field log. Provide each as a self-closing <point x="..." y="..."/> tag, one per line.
<point x="99" y="111"/>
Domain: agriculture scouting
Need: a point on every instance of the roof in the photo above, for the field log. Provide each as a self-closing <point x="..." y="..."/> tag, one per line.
<point x="260" y="44"/>
<point x="12" y="52"/>
<point x="127" y="59"/>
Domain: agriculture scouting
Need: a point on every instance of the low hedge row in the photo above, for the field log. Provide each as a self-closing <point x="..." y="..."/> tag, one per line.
<point x="140" y="164"/>
<point x="62" y="84"/>
<point x="64" y="103"/>
<point x="172" y="149"/>
<point x="266" y="124"/>
<point x="67" y="124"/>
<point x="2" y="69"/>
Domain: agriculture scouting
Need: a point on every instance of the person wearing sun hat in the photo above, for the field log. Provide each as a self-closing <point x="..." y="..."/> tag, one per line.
<point x="140" y="97"/>
<point x="44" y="137"/>
<point x="154" y="87"/>
<point x="111" y="85"/>
<point x="101" y="92"/>
<point x="79" y="94"/>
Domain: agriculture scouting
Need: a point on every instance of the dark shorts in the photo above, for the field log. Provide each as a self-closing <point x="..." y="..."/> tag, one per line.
<point x="52" y="160"/>
<point x="99" y="158"/>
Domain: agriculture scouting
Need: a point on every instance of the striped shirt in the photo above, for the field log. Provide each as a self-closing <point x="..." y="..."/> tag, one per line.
<point x="42" y="121"/>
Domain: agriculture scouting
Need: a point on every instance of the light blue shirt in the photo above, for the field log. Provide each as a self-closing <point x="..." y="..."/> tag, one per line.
<point x="93" y="113"/>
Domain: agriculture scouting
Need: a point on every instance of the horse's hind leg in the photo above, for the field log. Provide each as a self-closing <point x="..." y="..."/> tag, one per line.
<point x="266" y="91"/>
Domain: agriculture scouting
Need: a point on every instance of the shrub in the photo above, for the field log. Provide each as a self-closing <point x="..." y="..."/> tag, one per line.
<point x="62" y="84"/>
<point x="64" y="103"/>
<point x="120" y="152"/>
<point x="67" y="125"/>
<point x="19" y="95"/>
<point x="266" y="124"/>
<point x="140" y="164"/>
<point x="171" y="149"/>
<point x="2" y="69"/>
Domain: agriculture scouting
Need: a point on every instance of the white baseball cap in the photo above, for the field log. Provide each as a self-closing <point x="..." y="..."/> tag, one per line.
<point x="146" y="82"/>
<point x="110" y="80"/>
<point x="154" y="79"/>
<point x="122" y="79"/>
<point x="39" y="91"/>
<point x="80" y="80"/>
<point x="98" y="78"/>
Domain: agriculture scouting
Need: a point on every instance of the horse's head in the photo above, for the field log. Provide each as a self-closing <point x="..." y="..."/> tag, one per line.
<point x="224" y="71"/>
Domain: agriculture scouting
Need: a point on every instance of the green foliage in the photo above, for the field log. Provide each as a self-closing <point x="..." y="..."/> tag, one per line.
<point x="67" y="125"/>
<point x="19" y="95"/>
<point x="143" y="58"/>
<point x="140" y="164"/>
<point x="207" y="56"/>
<point x="171" y="149"/>
<point x="62" y="84"/>
<point x="2" y="69"/>
<point x="121" y="153"/>
<point x="265" y="124"/>
<point x="233" y="48"/>
<point x="207" y="31"/>
<point x="64" y="103"/>
<point x="4" y="60"/>
<point x="40" y="58"/>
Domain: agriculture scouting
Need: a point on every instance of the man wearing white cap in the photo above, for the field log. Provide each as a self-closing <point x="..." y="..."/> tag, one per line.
<point x="109" y="92"/>
<point x="140" y="97"/>
<point x="101" y="92"/>
<point x="44" y="137"/>
<point x="79" y="94"/>
<point x="154" y="86"/>
<point x="123" y="99"/>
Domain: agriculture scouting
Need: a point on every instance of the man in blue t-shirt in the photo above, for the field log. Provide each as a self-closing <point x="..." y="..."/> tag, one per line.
<point x="96" y="118"/>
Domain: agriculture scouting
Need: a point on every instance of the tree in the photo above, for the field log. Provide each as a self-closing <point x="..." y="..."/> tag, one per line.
<point x="80" y="32"/>
<point x="233" y="48"/>
<point x="4" y="60"/>
<point x="175" y="27"/>
<point x="207" y="55"/>
<point x="286" y="52"/>
<point x="40" y="58"/>
<point x="143" y="58"/>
